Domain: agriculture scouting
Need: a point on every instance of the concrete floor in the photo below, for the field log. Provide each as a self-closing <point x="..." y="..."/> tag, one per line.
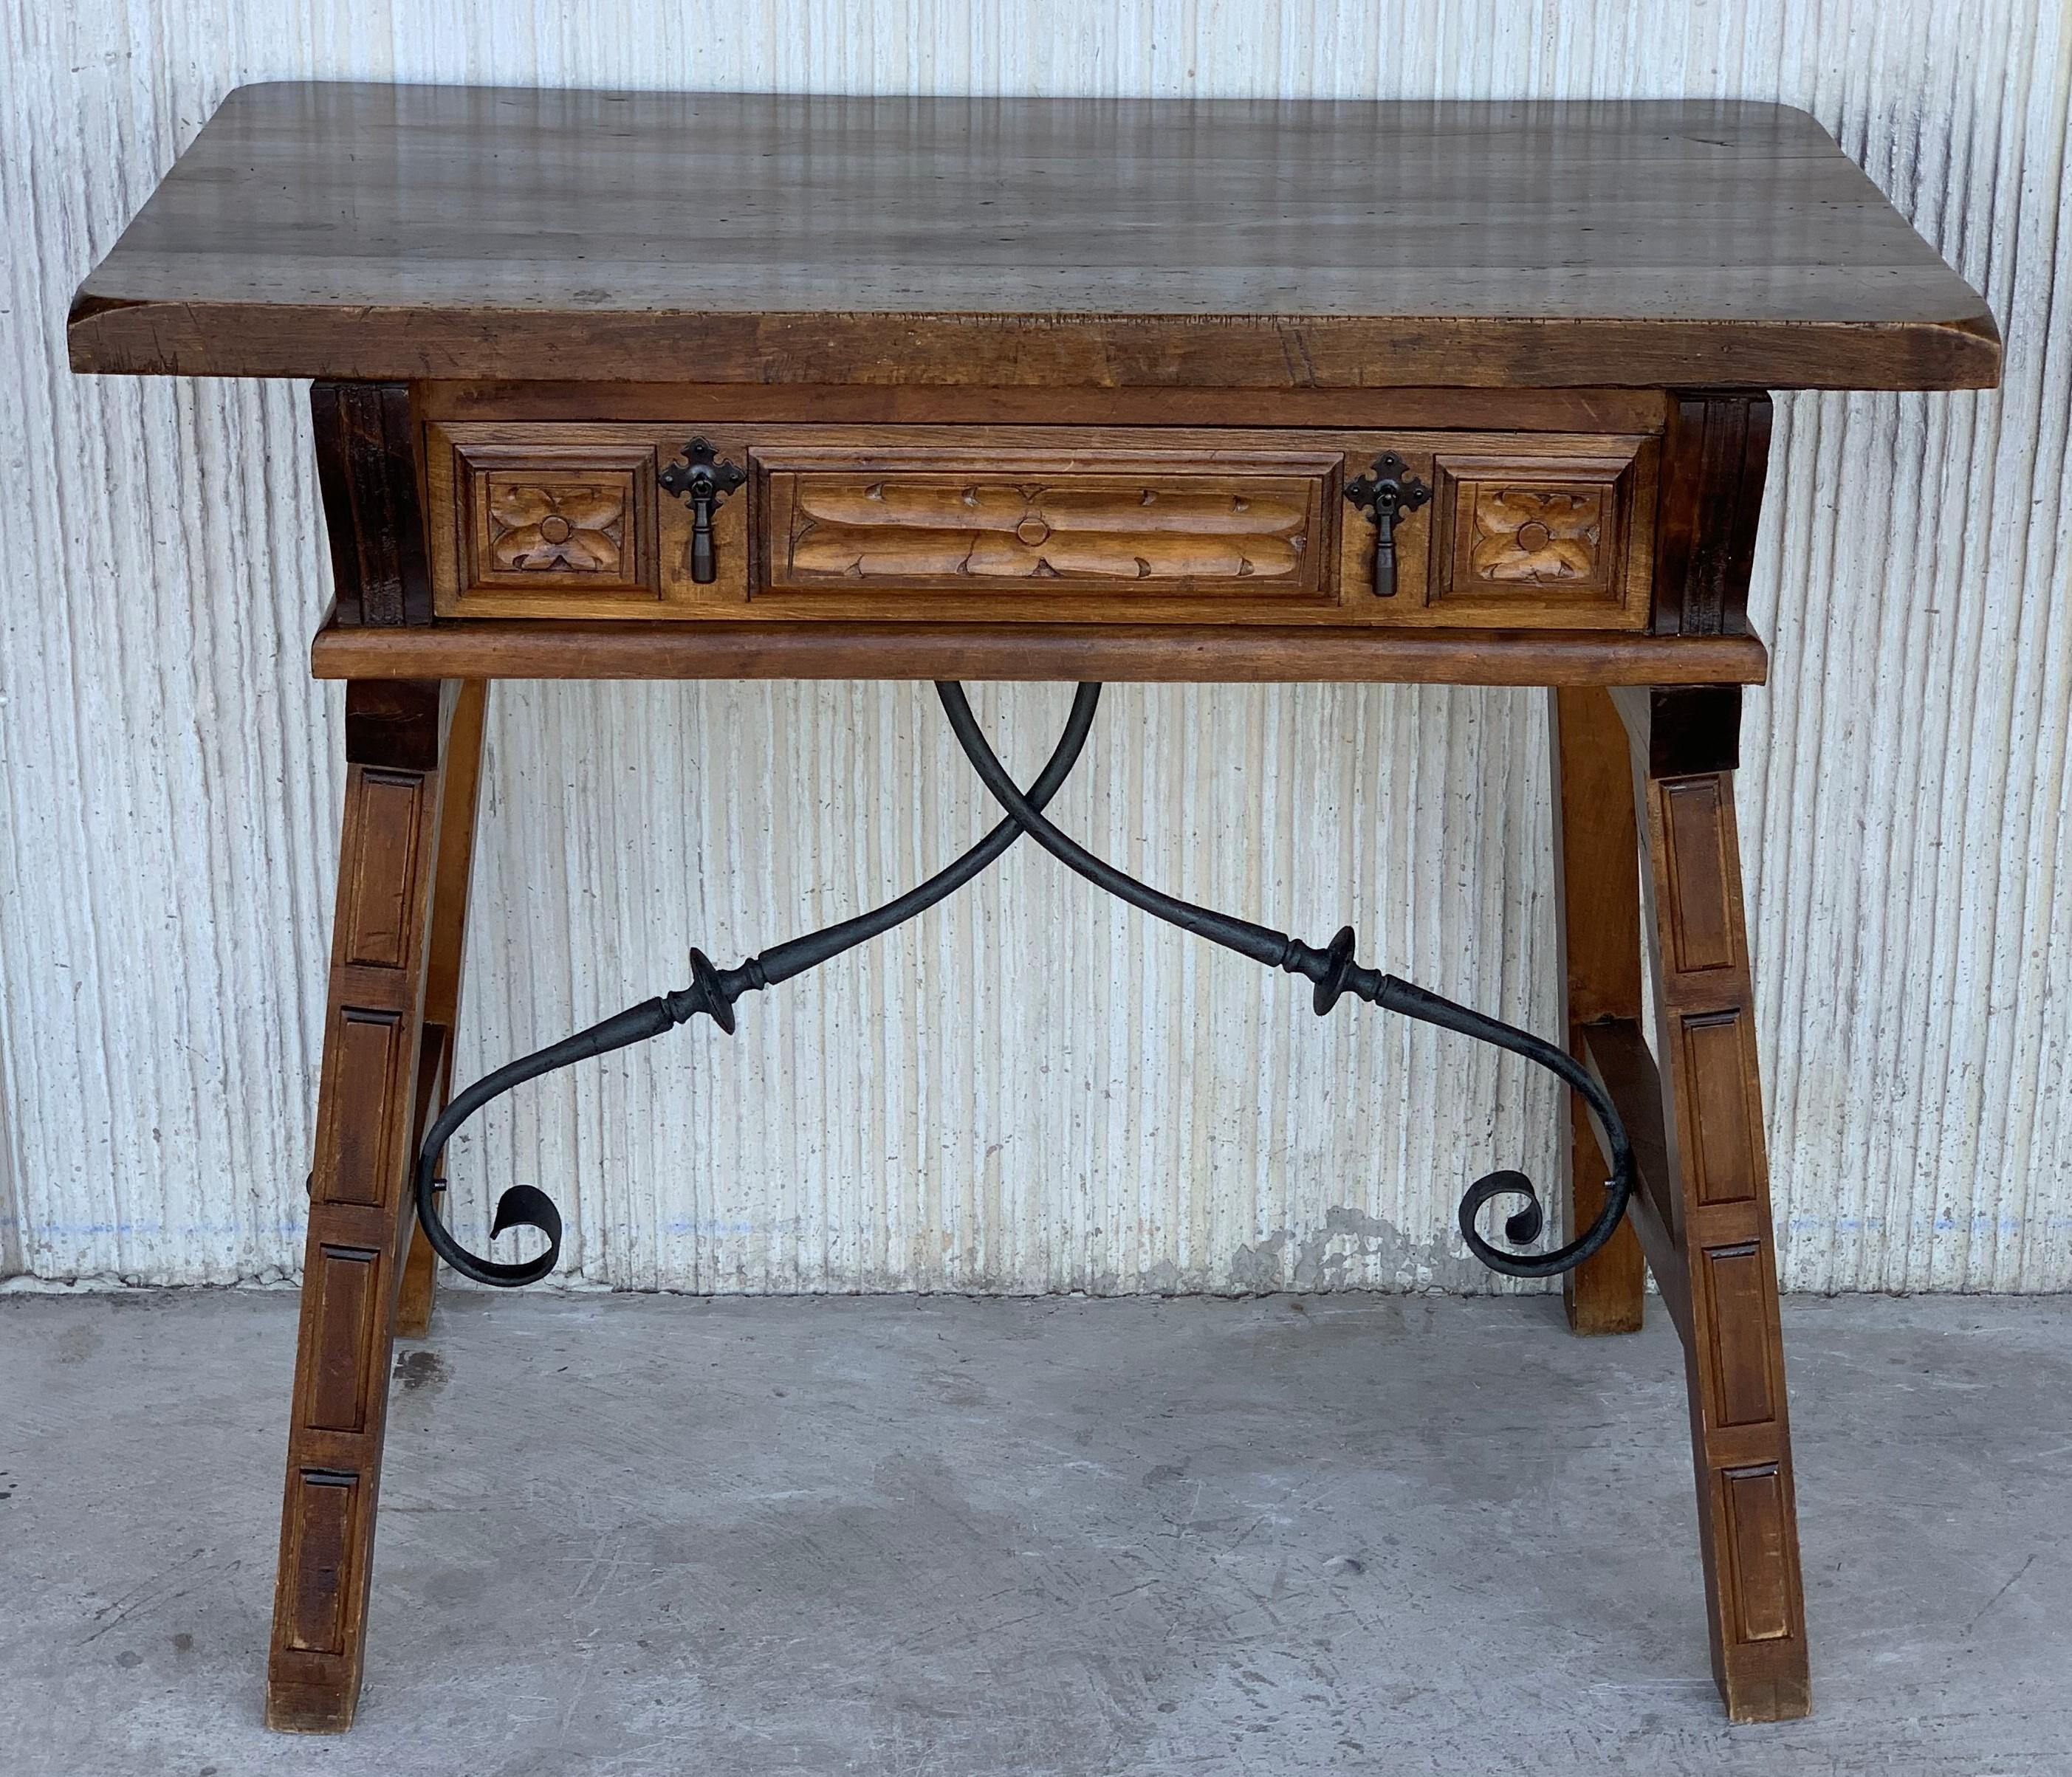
<point x="625" y="1535"/>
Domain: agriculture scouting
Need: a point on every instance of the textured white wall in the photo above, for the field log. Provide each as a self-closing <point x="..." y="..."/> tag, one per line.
<point x="1033" y="1089"/>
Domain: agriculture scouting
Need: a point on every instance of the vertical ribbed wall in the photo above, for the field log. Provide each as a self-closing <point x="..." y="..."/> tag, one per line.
<point x="1032" y="1088"/>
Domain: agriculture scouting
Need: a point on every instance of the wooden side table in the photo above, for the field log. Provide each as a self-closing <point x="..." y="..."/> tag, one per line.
<point x="611" y="386"/>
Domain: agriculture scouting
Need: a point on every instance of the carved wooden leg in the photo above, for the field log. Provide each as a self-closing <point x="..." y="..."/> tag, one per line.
<point x="461" y="770"/>
<point x="389" y="854"/>
<point x="1597" y="864"/>
<point x="1684" y="753"/>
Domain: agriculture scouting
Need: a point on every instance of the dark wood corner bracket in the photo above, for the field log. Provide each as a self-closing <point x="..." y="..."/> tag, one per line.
<point x="1716" y="458"/>
<point x="367" y="474"/>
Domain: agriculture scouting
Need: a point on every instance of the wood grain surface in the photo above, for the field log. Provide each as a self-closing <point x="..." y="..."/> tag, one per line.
<point x="376" y="231"/>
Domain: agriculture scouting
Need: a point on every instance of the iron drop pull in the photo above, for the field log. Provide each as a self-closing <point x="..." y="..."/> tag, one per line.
<point x="1386" y="494"/>
<point x="704" y="478"/>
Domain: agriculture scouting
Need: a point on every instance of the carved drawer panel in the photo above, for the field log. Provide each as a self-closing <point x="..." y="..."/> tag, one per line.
<point x="529" y="523"/>
<point x="689" y="519"/>
<point x="1014" y="524"/>
<point x="1555" y="540"/>
<point x="913" y="529"/>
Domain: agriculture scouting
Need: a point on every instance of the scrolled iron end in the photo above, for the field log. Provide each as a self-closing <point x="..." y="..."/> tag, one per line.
<point x="521" y="1206"/>
<point x="1521" y="1228"/>
<point x="527" y="1206"/>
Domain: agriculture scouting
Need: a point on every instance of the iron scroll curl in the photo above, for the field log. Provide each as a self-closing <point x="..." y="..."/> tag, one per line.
<point x="1332" y="971"/>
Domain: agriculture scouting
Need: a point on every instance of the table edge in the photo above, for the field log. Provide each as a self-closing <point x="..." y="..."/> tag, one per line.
<point x="110" y="335"/>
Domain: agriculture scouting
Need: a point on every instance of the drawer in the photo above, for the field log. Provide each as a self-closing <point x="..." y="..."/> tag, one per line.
<point x="1109" y="524"/>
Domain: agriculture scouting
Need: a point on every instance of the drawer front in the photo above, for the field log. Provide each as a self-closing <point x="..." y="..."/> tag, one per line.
<point x="853" y="527"/>
<point x="561" y="520"/>
<point x="853" y="523"/>
<point x="1555" y="539"/>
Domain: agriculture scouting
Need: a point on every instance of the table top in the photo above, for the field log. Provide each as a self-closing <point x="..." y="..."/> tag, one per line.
<point x="378" y="232"/>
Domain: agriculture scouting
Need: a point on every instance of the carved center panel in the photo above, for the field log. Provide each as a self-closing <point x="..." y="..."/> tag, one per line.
<point x="946" y="530"/>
